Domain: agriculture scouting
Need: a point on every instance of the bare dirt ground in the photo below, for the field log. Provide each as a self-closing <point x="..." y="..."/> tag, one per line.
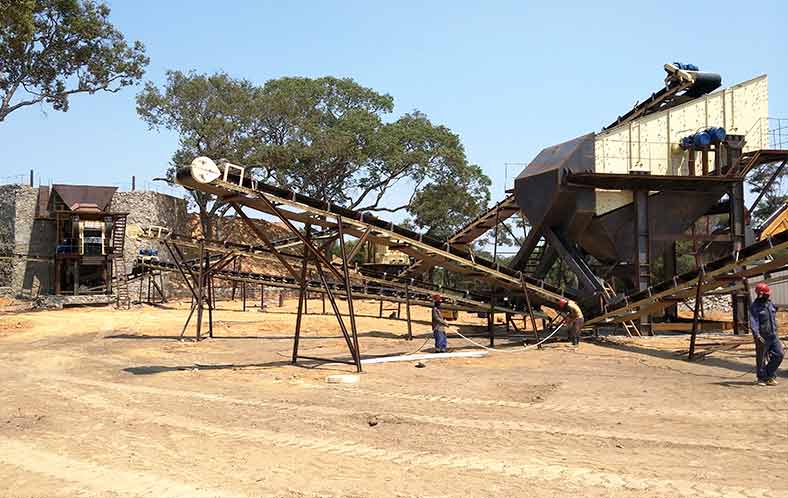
<point x="98" y="402"/>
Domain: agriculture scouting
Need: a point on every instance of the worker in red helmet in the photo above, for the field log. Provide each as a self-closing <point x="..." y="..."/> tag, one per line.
<point x="763" y="325"/>
<point x="439" y="324"/>
<point x="574" y="319"/>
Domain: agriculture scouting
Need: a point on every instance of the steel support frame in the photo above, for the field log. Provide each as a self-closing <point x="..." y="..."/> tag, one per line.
<point x="739" y="299"/>
<point x="642" y="257"/>
<point x="573" y="260"/>
<point x="320" y="261"/>
<point x="200" y="284"/>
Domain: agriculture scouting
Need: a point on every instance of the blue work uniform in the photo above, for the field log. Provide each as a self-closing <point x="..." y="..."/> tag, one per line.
<point x="439" y="329"/>
<point x="763" y="324"/>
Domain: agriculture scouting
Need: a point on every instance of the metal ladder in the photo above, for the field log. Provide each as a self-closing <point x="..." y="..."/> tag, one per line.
<point x="121" y="283"/>
<point x="119" y="264"/>
<point x="629" y="325"/>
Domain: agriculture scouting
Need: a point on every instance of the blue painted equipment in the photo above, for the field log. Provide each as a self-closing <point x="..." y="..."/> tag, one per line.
<point x="149" y="252"/>
<point x="686" y="67"/>
<point x="703" y="138"/>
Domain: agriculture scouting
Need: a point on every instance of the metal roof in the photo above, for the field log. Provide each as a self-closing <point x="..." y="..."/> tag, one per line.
<point x="74" y="196"/>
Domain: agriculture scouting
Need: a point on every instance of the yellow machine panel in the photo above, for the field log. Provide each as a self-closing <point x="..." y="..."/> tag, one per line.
<point x="651" y="144"/>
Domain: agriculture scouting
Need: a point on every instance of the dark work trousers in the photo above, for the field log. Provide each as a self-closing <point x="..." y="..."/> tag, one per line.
<point x="770" y="355"/>
<point x="440" y="339"/>
<point x="574" y="330"/>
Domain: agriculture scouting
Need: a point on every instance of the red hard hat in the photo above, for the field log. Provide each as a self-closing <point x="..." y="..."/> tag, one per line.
<point x="437" y="298"/>
<point x="763" y="288"/>
<point x="562" y="303"/>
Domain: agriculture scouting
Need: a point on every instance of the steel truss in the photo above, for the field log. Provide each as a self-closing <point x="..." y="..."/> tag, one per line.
<point x="241" y="191"/>
<point x="727" y="272"/>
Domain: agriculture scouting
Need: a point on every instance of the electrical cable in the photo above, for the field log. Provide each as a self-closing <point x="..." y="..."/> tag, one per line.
<point x="555" y="330"/>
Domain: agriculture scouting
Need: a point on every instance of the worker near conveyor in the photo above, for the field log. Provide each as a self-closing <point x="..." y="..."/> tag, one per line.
<point x="439" y="324"/>
<point x="574" y="319"/>
<point x="763" y="324"/>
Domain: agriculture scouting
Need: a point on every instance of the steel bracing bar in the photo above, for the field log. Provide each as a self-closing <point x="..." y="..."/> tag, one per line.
<point x="663" y="294"/>
<point x="472" y="301"/>
<point x="349" y="292"/>
<point x="262" y="253"/>
<point x="396" y="295"/>
<point x="766" y="187"/>
<point x="477" y="227"/>
<point x="266" y="241"/>
<point x="260" y="196"/>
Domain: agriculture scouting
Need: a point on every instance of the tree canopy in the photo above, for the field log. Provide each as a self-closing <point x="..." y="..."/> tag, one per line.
<point x="774" y="196"/>
<point x="51" y="49"/>
<point x="324" y="137"/>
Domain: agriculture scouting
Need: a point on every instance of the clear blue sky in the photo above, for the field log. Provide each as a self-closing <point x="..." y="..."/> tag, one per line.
<point x="508" y="77"/>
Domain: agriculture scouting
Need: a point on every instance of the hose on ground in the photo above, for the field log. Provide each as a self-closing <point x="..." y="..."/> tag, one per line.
<point x="529" y="346"/>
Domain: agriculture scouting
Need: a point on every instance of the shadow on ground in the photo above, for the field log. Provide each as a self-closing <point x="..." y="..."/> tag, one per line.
<point x="709" y="360"/>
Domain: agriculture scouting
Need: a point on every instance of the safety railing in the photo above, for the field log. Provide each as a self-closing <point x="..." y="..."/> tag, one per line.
<point x="771" y="133"/>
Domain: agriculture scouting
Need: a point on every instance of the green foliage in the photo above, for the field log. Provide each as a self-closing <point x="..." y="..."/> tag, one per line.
<point x="324" y="137"/>
<point x="214" y="116"/>
<point x="51" y="49"/>
<point x="460" y="193"/>
<point x="774" y="196"/>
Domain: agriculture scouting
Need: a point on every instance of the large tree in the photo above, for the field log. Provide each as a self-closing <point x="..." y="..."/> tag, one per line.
<point x="212" y="115"/>
<point x="52" y="49"/>
<point x="325" y="137"/>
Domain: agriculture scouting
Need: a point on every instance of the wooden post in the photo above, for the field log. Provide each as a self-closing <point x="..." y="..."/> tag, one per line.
<point x="243" y="295"/>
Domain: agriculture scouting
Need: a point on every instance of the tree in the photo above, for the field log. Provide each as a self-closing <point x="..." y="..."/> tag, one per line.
<point x="52" y="49"/>
<point x="324" y="137"/>
<point x="774" y="197"/>
<point x="445" y="205"/>
<point x="212" y="116"/>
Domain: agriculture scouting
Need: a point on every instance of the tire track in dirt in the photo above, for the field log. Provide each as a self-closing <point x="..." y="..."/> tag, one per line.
<point x="532" y="469"/>
<point x="485" y="425"/>
<point x="97" y="478"/>
<point x="551" y="406"/>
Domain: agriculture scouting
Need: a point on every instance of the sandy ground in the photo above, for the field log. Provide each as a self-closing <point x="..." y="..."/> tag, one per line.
<point x="98" y="402"/>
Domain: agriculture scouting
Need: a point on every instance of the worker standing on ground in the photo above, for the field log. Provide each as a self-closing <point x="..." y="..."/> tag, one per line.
<point x="763" y="324"/>
<point x="439" y="324"/>
<point x="574" y="319"/>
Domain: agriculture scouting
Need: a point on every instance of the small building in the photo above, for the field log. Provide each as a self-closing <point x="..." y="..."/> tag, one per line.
<point x="75" y="239"/>
<point x="88" y="234"/>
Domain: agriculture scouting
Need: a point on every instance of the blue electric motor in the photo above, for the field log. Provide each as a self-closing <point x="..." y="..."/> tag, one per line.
<point x="703" y="138"/>
<point x="717" y="133"/>
<point x="686" y="67"/>
<point x="149" y="252"/>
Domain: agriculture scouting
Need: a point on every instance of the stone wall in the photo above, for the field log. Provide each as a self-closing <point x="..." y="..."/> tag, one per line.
<point x="146" y="209"/>
<point x="7" y="225"/>
<point x="27" y="245"/>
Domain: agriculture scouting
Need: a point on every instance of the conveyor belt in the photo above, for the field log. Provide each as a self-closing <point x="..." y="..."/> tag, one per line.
<point x="469" y="301"/>
<point x="485" y="221"/>
<point x="231" y="184"/>
<point x="369" y="289"/>
<point x="751" y="261"/>
<point x="680" y="86"/>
